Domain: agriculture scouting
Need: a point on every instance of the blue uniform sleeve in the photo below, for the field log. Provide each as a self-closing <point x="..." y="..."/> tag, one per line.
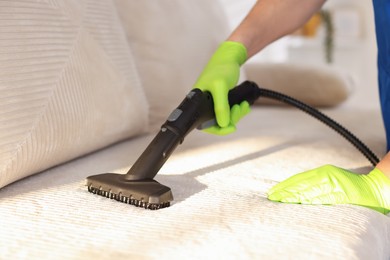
<point x="382" y="27"/>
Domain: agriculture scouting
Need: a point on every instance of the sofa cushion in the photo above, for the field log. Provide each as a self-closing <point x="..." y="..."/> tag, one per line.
<point x="68" y="83"/>
<point x="172" y="42"/>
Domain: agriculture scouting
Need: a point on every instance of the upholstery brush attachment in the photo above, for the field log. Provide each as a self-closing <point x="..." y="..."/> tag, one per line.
<point x="148" y="193"/>
<point x="137" y="187"/>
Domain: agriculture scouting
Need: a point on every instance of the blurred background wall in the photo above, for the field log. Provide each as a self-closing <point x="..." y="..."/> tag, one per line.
<point x="353" y="41"/>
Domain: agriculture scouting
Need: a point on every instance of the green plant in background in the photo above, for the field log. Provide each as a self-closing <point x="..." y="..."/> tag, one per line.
<point x="329" y="35"/>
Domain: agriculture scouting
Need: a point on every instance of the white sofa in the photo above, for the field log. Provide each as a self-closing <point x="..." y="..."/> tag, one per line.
<point x="85" y="85"/>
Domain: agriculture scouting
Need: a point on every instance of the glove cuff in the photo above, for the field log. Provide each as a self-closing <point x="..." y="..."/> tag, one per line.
<point x="383" y="184"/>
<point x="236" y="50"/>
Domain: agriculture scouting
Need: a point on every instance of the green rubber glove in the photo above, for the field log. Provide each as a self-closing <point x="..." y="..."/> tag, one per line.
<point x="236" y="113"/>
<point x="332" y="185"/>
<point x="219" y="76"/>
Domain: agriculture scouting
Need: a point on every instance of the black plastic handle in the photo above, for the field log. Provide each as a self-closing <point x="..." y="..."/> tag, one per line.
<point x="246" y="91"/>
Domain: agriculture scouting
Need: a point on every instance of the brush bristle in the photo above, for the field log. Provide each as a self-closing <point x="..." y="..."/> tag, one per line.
<point x="128" y="200"/>
<point x="145" y="193"/>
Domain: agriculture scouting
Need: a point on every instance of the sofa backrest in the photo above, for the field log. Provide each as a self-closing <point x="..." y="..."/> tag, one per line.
<point x="68" y="84"/>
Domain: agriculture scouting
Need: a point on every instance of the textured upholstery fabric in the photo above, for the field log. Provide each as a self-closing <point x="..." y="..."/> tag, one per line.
<point x="220" y="209"/>
<point x="68" y="83"/>
<point x="172" y="42"/>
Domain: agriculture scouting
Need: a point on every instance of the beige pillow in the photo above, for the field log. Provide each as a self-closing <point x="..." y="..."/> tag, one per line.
<point x="68" y="84"/>
<point x="319" y="86"/>
<point x="172" y="41"/>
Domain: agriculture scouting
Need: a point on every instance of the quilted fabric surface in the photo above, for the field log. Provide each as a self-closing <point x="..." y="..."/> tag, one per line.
<point x="68" y="83"/>
<point x="220" y="209"/>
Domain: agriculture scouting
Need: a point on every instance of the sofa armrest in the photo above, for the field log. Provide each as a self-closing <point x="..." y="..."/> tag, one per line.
<point x="318" y="86"/>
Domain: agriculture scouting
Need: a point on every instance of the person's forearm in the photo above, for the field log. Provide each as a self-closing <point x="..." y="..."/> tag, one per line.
<point x="384" y="165"/>
<point x="271" y="19"/>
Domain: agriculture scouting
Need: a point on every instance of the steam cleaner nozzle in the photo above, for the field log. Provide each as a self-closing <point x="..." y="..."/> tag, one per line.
<point x="137" y="187"/>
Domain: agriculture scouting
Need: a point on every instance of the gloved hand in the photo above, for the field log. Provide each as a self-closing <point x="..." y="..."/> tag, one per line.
<point x="332" y="185"/>
<point x="219" y="76"/>
<point x="236" y="113"/>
